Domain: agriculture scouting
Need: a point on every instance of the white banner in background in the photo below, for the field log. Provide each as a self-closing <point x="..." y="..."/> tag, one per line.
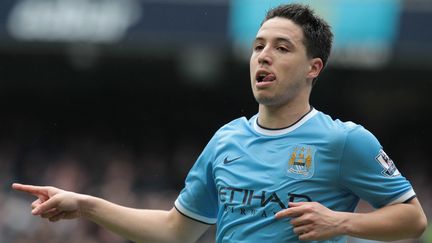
<point x="95" y="21"/>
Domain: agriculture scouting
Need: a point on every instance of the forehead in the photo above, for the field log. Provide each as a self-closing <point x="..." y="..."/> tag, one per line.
<point x="278" y="27"/>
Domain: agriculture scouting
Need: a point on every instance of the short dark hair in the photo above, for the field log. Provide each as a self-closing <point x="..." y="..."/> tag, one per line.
<point x="317" y="33"/>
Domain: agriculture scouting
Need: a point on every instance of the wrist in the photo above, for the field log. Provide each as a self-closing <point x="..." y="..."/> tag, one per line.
<point x="86" y="205"/>
<point x="344" y="225"/>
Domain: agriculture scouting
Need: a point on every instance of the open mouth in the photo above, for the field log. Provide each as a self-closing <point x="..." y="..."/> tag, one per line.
<point x="264" y="76"/>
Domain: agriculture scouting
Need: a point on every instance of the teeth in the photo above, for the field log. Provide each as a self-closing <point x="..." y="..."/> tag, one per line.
<point x="261" y="76"/>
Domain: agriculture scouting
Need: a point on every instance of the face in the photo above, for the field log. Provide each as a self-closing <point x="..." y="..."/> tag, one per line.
<point x="280" y="69"/>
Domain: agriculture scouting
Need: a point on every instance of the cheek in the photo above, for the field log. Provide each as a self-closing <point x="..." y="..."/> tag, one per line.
<point x="299" y="71"/>
<point x="252" y="68"/>
<point x="252" y="61"/>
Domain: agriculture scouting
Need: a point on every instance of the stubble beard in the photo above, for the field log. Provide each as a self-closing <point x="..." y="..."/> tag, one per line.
<point x="278" y="100"/>
<point x="270" y="100"/>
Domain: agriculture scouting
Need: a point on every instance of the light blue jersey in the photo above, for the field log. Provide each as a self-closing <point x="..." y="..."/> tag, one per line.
<point x="247" y="173"/>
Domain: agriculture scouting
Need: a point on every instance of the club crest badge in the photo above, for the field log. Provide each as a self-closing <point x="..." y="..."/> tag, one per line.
<point x="301" y="162"/>
<point x="389" y="167"/>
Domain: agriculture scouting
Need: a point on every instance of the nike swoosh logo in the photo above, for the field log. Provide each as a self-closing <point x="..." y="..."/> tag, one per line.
<point x="227" y="161"/>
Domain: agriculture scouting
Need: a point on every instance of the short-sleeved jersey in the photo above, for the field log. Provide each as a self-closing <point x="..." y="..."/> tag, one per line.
<point x="247" y="173"/>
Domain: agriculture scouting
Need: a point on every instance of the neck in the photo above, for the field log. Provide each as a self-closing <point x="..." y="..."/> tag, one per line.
<point x="275" y="117"/>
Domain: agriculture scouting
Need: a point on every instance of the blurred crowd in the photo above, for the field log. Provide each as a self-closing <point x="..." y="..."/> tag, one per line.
<point x="150" y="177"/>
<point x="111" y="171"/>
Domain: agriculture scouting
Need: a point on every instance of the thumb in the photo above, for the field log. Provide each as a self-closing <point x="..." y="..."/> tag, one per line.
<point x="51" y="203"/>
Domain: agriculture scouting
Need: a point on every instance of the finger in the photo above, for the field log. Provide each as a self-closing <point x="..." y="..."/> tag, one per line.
<point x="301" y="220"/>
<point x="296" y="204"/>
<point x="36" y="203"/>
<point x="310" y="235"/>
<point x="301" y="229"/>
<point x="289" y="212"/>
<point x="57" y="217"/>
<point x="34" y="190"/>
<point x="46" y="206"/>
<point x="295" y="209"/>
<point x="50" y="213"/>
<point x="40" y="200"/>
<point x="72" y="215"/>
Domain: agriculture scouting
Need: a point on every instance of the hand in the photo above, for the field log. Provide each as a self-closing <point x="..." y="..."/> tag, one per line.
<point x="52" y="203"/>
<point x="313" y="221"/>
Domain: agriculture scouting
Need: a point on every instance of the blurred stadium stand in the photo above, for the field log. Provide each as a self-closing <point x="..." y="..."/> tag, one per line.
<point x="117" y="98"/>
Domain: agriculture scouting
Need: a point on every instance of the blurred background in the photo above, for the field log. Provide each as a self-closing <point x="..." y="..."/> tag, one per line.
<point x="118" y="98"/>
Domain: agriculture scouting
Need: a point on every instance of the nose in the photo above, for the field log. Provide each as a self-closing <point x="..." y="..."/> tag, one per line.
<point x="264" y="58"/>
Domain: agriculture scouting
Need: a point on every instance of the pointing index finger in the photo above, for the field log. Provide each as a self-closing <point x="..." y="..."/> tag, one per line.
<point x="34" y="190"/>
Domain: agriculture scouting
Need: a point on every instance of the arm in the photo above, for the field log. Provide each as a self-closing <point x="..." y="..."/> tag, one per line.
<point x="135" y="224"/>
<point x="313" y="221"/>
<point x="393" y="222"/>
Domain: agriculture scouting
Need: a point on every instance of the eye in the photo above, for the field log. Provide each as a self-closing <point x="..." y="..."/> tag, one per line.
<point x="282" y="49"/>
<point x="258" y="47"/>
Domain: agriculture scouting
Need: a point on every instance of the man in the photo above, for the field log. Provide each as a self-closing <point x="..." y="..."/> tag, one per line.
<point x="289" y="173"/>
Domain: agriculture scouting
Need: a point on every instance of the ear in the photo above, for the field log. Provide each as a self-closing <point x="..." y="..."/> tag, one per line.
<point x="315" y="67"/>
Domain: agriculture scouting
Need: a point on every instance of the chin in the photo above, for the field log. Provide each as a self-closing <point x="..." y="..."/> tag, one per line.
<point x="274" y="101"/>
<point x="265" y="100"/>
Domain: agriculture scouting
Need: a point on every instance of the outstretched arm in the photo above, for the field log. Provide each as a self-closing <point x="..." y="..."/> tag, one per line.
<point x="313" y="221"/>
<point x="139" y="225"/>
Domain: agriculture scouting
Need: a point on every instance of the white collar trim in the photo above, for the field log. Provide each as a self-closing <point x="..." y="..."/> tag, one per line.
<point x="289" y="129"/>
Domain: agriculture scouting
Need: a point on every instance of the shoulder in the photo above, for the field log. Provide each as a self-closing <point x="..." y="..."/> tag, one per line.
<point x="335" y="125"/>
<point x="236" y="123"/>
<point x="334" y="128"/>
<point x="342" y="133"/>
<point x="235" y="127"/>
<point x="353" y="138"/>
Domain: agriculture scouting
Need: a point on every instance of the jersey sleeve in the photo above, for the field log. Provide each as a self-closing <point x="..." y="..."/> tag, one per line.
<point x="369" y="173"/>
<point x="198" y="199"/>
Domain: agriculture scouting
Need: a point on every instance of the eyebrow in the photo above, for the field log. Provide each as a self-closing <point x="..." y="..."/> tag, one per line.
<point x="278" y="40"/>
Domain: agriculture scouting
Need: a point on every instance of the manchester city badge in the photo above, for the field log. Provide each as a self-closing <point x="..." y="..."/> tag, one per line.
<point x="301" y="162"/>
